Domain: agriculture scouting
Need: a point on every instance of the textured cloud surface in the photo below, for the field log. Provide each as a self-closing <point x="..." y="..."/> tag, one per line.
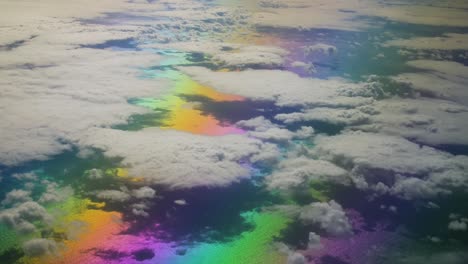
<point x="181" y="160"/>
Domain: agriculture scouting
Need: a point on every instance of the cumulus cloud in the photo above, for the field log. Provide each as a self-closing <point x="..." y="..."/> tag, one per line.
<point x="39" y="247"/>
<point x="320" y="48"/>
<point x="39" y="106"/>
<point x="449" y="41"/>
<point x="314" y="241"/>
<point x="23" y="216"/>
<point x="328" y="115"/>
<point x="144" y="192"/>
<point x="183" y="160"/>
<point x="113" y="195"/>
<point x="330" y="217"/>
<point x="264" y="129"/>
<point x="251" y="56"/>
<point x="284" y="88"/>
<point x="16" y="196"/>
<point x="391" y="164"/>
<point x="53" y="193"/>
<point x="439" y="79"/>
<point x="298" y="171"/>
<point x="429" y="121"/>
<point x="457" y="225"/>
<point x="296" y="258"/>
<point x="345" y="15"/>
<point x="139" y="209"/>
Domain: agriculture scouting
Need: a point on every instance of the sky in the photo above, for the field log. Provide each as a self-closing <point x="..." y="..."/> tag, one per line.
<point x="233" y="131"/>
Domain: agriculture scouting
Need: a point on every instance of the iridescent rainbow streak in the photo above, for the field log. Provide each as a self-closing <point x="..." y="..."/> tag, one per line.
<point x="250" y="247"/>
<point x="86" y="233"/>
<point x="181" y="114"/>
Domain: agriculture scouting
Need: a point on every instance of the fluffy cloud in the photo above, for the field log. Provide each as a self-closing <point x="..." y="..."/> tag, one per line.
<point x="390" y="164"/>
<point x="22" y="216"/>
<point x="298" y="171"/>
<point x="328" y="115"/>
<point x="314" y="241"/>
<point x="344" y="15"/>
<point x="328" y="216"/>
<point x="449" y="41"/>
<point x="251" y="56"/>
<point x="39" y="247"/>
<point x="265" y="130"/>
<point x="113" y="195"/>
<point x="183" y="160"/>
<point x="39" y="107"/>
<point x="144" y="192"/>
<point x="284" y="88"/>
<point x="139" y="209"/>
<point x="430" y="121"/>
<point x="296" y="258"/>
<point x="439" y="79"/>
<point x="457" y="226"/>
<point x="16" y="196"/>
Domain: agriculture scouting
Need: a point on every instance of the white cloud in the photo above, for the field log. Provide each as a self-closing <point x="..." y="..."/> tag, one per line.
<point x="439" y="79"/>
<point x="144" y="192"/>
<point x="314" y="241"/>
<point x="430" y="121"/>
<point x="23" y="216"/>
<point x="284" y="88"/>
<point x="320" y="48"/>
<point x="39" y="247"/>
<point x="457" y="226"/>
<point x="113" y="195"/>
<point x="449" y="41"/>
<point x="45" y="109"/>
<point x="328" y="216"/>
<point x="298" y="171"/>
<point x="296" y="258"/>
<point x="16" y="196"/>
<point x="344" y="15"/>
<point x="264" y="129"/>
<point x="140" y="209"/>
<point x="328" y="115"/>
<point x="182" y="160"/>
<point x="392" y="164"/>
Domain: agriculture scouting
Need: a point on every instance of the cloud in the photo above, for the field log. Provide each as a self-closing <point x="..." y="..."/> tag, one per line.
<point x="299" y="171"/>
<point x="457" y="226"/>
<point x="320" y="48"/>
<point x="284" y="88"/>
<point x="139" y="209"/>
<point x="429" y="121"/>
<point x="314" y="241"/>
<point x="391" y="164"/>
<point x="330" y="217"/>
<point x="345" y="15"/>
<point x="264" y="129"/>
<point x="439" y="79"/>
<point x="144" y="192"/>
<point x="45" y="109"/>
<point x="113" y="195"/>
<point x="183" y="160"/>
<point x="327" y="115"/>
<point x="23" y="216"/>
<point x="16" y="196"/>
<point x="296" y="258"/>
<point x="449" y="41"/>
<point x="28" y="176"/>
<point x="39" y="247"/>
<point x="246" y="56"/>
